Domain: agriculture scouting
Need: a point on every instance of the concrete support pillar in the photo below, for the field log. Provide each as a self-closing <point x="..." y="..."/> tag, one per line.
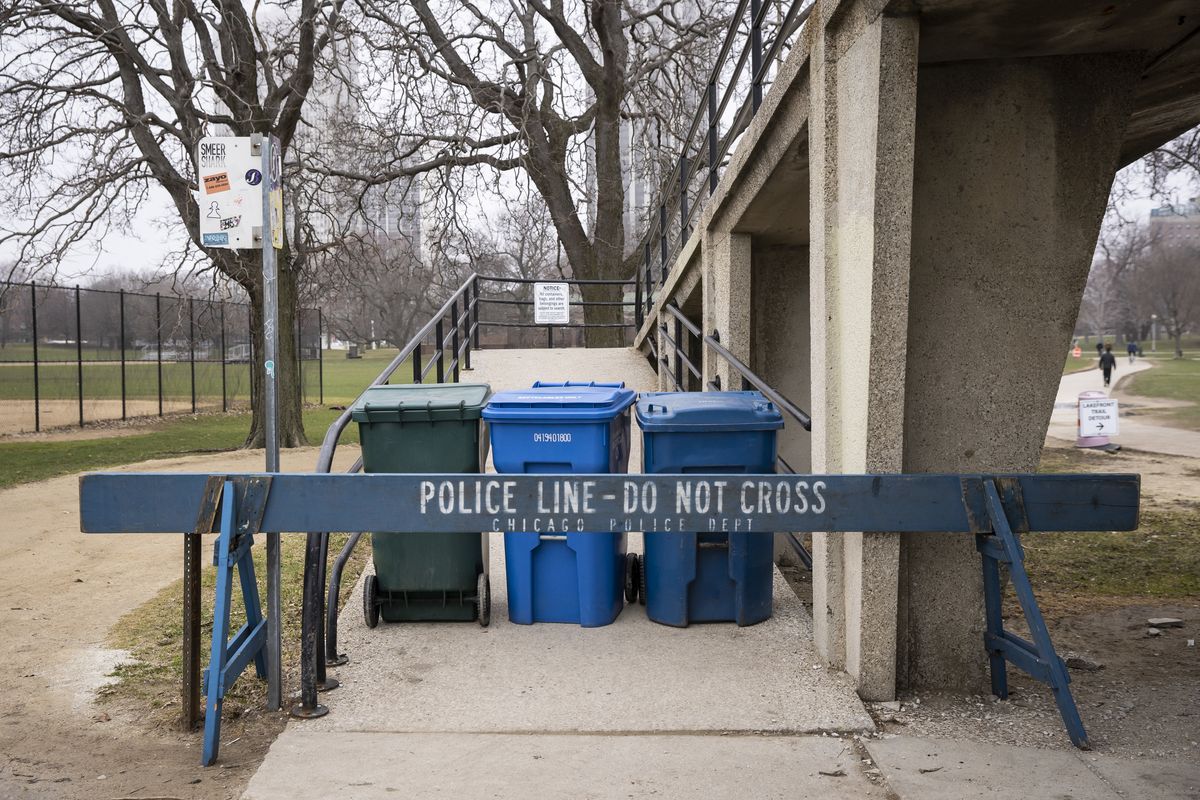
<point x="727" y="268"/>
<point x="864" y="96"/>
<point x="1013" y="165"/>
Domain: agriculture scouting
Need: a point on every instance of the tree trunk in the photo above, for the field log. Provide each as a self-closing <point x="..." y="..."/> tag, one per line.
<point x="606" y="315"/>
<point x="290" y="420"/>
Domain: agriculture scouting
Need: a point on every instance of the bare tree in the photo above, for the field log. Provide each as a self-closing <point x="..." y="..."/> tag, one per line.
<point x="532" y="85"/>
<point x="1108" y="300"/>
<point x="378" y="291"/>
<point x="103" y="104"/>
<point x="1169" y="282"/>
<point x="1177" y="159"/>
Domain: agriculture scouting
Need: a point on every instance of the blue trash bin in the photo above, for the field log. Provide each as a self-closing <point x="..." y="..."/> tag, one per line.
<point x="703" y="576"/>
<point x="575" y="577"/>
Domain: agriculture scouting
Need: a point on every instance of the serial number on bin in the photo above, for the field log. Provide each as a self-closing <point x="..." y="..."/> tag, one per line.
<point x="540" y="438"/>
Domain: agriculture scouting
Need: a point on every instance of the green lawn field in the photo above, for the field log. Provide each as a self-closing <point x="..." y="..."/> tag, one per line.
<point x="1171" y="379"/>
<point x="31" y="460"/>
<point x="344" y="378"/>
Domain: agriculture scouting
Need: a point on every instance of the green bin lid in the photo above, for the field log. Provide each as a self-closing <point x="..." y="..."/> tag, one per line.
<point x="421" y="403"/>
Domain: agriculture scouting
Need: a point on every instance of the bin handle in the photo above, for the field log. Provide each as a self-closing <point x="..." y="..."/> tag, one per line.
<point x="651" y="407"/>
<point x="552" y="537"/>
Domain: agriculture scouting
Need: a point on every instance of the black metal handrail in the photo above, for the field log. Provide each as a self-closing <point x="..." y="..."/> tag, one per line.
<point x="675" y="196"/>
<point x="674" y="370"/>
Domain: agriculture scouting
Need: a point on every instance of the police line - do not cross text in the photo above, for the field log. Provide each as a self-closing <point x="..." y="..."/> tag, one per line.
<point x="566" y="505"/>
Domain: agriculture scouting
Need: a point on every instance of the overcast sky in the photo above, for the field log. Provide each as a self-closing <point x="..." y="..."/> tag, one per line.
<point x="156" y="232"/>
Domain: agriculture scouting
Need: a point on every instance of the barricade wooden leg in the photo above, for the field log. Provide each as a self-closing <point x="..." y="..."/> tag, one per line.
<point x="1038" y="658"/>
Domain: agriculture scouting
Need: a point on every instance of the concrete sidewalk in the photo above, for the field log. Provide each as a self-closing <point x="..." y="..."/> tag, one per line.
<point x="1137" y="432"/>
<point x="940" y="769"/>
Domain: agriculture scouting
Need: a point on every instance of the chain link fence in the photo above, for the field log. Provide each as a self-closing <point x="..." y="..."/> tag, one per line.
<point x="69" y="356"/>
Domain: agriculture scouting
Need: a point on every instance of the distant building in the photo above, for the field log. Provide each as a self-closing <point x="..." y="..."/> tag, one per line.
<point x="1177" y="224"/>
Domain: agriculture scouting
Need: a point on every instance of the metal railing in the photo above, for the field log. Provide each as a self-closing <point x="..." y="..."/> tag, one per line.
<point x="455" y="331"/>
<point x="71" y="355"/>
<point x="686" y="375"/>
<point x="682" y="197"/>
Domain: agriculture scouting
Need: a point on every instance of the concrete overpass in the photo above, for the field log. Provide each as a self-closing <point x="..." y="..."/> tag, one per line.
<point x="900" y="243"/>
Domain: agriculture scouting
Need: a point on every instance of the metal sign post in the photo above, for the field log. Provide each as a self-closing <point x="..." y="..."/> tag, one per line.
<point x="272" y="235"/>
<point x="240" y="198"/>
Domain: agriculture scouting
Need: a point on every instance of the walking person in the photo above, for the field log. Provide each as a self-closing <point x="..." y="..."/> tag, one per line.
<point x="1099" y="348"/>
<point x="1108" y="364"/>
<point x="1132" y="349"/>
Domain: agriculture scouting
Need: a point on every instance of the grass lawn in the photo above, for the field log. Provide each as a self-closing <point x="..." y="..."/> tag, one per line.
<point x="1171" y="379"/>
<point x="31" y="460"/>
<point x="1085" y="362"/>
<point x="153" y="634"/>
<point x="1159" y="560"/>
<point x="344" y="378"/>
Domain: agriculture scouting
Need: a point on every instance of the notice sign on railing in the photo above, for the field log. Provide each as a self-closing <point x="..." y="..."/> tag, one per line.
<point x="551" y="303"/>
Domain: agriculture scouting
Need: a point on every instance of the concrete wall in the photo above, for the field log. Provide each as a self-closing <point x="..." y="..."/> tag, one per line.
<point x="779" y="314"/>
<point x="780" y="341"/>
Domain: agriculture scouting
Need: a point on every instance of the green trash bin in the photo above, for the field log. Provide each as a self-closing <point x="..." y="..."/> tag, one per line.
<point x="425" y="576"/>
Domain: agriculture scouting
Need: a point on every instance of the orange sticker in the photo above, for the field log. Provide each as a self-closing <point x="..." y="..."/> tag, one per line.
<point x="216" y="183"/>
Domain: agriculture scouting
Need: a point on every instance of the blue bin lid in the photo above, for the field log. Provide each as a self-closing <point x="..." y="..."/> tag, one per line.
<point x="550" y="402"/>
<point x="706" y="411"/>
<point x="613" y="385"/>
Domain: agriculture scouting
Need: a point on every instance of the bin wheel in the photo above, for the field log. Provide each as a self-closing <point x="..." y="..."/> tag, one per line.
<point x="371" y="601"/>
<point x="483" y="600"/>
<point x="633" y="578"/>
<point x="642" y="580"/>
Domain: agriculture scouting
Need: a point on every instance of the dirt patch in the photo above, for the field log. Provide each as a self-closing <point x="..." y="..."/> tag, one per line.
<point x="1139" y="700"/>
<point x="1139" y="703"/>
<point x="17" y="416"/>
<point x="60" y="593"/>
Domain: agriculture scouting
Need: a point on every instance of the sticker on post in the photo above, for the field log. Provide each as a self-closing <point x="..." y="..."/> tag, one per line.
<point x="1098" y="417"/>
<point x="214" y="239"/>
<point x="551" y="303"/>
<point x="217" y="182"/>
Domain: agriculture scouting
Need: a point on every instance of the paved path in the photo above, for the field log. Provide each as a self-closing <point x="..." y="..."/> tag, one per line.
<point x="631" y="709"/>
<point x="1138" y="433"/>
<point x="940" y="769"/>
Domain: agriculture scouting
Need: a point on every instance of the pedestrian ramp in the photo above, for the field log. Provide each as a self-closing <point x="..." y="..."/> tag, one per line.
<point x="629" y="709"/>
